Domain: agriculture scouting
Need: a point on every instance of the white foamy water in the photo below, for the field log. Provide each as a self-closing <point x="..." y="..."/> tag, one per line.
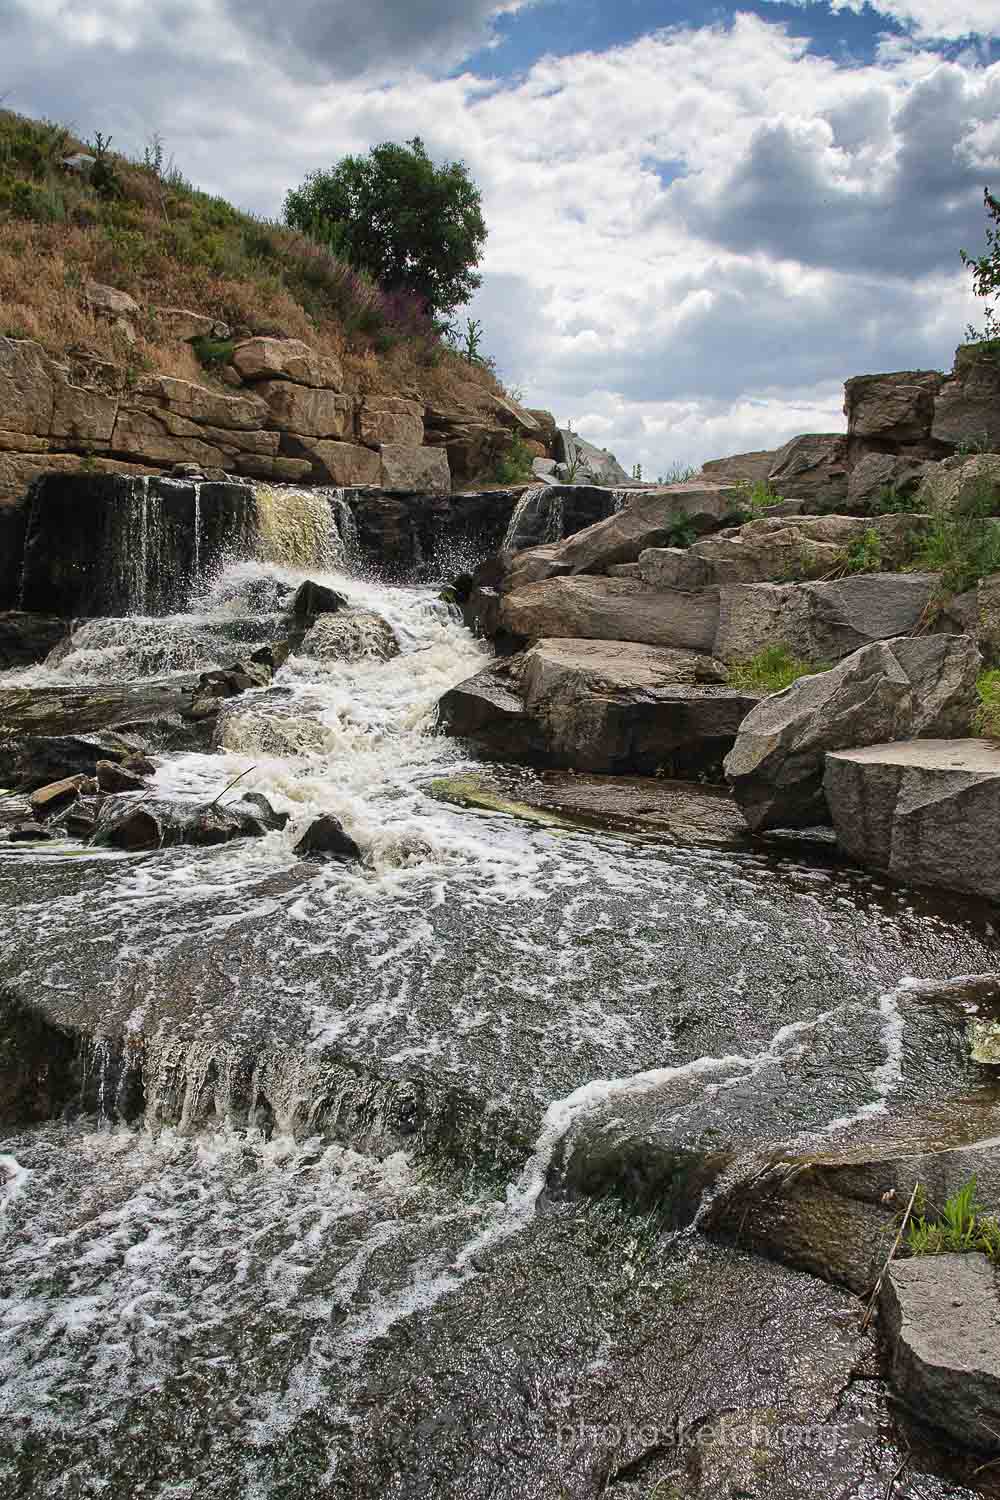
<point x="554" y="978"/>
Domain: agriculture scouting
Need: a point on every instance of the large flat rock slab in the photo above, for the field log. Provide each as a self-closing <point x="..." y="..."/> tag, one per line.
<point x="942" y="1315"/>
<point x="925" y="810"/>
<point x="602" y="706"/>
<point x="612" y="609"/>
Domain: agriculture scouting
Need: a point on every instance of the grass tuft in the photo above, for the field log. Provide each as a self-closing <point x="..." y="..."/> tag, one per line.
<point x="771" y="670"/>
<point x="959" y="1227"/>
<point x="986" y="719"/>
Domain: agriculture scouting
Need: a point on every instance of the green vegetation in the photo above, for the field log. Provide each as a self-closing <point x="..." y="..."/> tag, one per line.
<point x="757" y="498"/>
<point x="864" y="554"/>
<point x="514" y="465"/>
<point x="891" y="501"/>
<point x="414" y="228"/>
<point x="211" y="353"/>
<point x="963" y="547"/>
<point x="140" y="226"/>
<point x="986" y="720"/>
<point x="986" y="273"/>
<point x="959" y="1226"/>
<point x="678" y="531"/>
<point x="771" y="670"/>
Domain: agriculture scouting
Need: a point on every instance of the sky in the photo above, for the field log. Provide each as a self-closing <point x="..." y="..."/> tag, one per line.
<point x="702" y="218"/>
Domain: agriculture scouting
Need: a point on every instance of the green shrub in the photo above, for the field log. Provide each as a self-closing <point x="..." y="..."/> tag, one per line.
<point x="864" y="554"/>
<point x="986" y="720"/>
<point x="679" y="531"/>
<point x="771" y="670"/>
<point x="514" y="466"/>
<point x="959" y="1226"/>
<point x="963" y="548"/>
<point x="891" y="502"/>
<point x="211" y="353"/>
<point x="757" y="498"/>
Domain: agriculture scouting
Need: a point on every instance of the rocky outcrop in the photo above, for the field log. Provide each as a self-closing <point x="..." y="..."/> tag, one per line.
<point x="774" y="549"/>
<point x="580" y="462"/>
<point x="942" y="1322"/>
<point x="886" y="413"/>
<point x="814" y="468"/>
<point x="963" y="484"/>
<point x="611" y="609"/>
<point x="877" y="478"/>
<point x="822" y="621"/>
<point x="291" y="421"/>
<point x="967" y="409"/>
<point x="601" y="706"/>
<point x="649" y="519"/>
<point x="898" y="689"/>
<point x="50" y="733"/>
<point x="923" y="810"/>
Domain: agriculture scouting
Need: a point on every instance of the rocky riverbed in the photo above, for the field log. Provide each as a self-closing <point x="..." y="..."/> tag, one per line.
<point x="403" y="1167"/>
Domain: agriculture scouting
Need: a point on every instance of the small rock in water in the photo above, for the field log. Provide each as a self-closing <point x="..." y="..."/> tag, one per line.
<point x="79" y="820"/>
<point x="112" y="778"/>
<point x="984" y="1042"/>
<point x="327" y="836"/>
<point x="312" y="599"/>
<point x="128" y="822"/>
<point x="351" y="635"/>
<point x="28" y="833"/>
<point x="50" y="799"/>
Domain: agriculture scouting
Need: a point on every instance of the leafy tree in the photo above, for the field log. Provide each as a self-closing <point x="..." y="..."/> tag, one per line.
<point x="986" y="268"/>
<point x="411" y="225"/>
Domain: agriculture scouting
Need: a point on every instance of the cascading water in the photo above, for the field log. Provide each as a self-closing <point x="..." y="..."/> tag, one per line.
<point x="296" y="1244"/>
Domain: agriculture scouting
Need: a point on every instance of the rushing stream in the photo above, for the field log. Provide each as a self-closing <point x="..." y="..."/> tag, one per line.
<point x="331" y="1252"/>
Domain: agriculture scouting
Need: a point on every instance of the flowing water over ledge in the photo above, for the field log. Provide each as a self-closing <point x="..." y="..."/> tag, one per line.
<point x="311" y="1233"/>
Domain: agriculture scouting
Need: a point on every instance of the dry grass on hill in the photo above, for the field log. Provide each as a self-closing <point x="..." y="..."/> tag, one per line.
<point x="150" y="233"/>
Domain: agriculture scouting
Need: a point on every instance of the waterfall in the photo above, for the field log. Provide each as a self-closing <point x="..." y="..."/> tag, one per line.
<point x="296" y="527"/>
<point x="345" y="524"/>
<point x="531" y="504"/>
<point x="197" y="530"/>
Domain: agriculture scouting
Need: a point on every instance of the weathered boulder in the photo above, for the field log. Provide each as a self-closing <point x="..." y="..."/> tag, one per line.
<point x="391" y="419"/>
<point x="920" y="687"/>
<point x="649" y="519"/>
<point x="941" y="1317"/>
<point x="967" y="408"/>
<point x="109" y="302"/>
<point x="820" y="621"/>
<point x="875" y="475"/>
<point x="326" y="836"/>
<point x="772" y="549"/>
<point x="611" y="609"/>
<point x="27" y="638"/>
<point x="406" y="467"/>
<point x="308" y="412"/>
<point x="52" y="798"/>
<point x="311" y="599"/>
<point x="812" y="467"/>
<point x="287" y="359"/>
<point x="342" y="464"/>
<point x="136" y="821"/>
<point x="581" y="462"/>
<point x="350" y="635"/>
<point x="923" y="810"/>
<point x="117" y="778"/>
<point x="199" y="404"/>
<point x="897" y="409"/>
<point x="961" y="484"/>
<point x="741" y="468"/>
<point x="601" y="706"/>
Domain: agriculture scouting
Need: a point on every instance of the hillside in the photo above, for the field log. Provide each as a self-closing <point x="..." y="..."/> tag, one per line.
<point x="201" y="276"/>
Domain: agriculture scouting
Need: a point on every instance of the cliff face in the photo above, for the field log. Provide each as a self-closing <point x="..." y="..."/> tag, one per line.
<point x="284" y="413"/>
